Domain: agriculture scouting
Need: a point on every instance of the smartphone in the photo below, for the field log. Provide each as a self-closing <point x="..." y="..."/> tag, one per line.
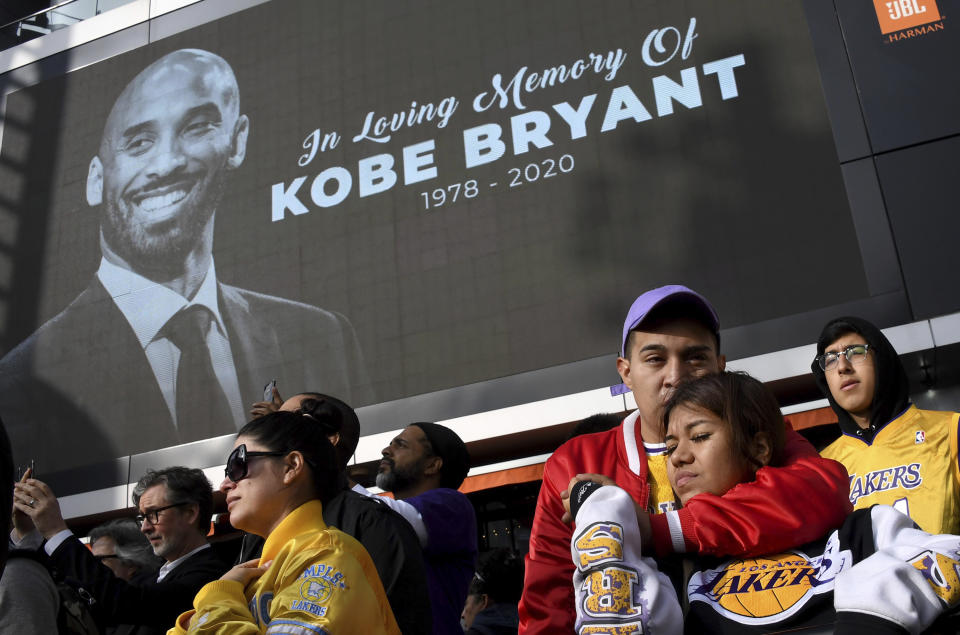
<point x="268" y="390"/>
<point x="32" y="467"/>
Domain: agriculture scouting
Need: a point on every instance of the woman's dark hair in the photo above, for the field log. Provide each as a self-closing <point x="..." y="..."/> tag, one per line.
<point x="740" y="400"/>
<point x="891" y="393"/>
<point x="289" y="431"/>
<point x="336" y="417"/>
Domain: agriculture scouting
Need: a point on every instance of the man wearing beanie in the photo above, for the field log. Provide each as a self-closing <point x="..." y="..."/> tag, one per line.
<point x="671" y="335"/>
<point x="423" y="466"/>
<point x="896" y="454"/>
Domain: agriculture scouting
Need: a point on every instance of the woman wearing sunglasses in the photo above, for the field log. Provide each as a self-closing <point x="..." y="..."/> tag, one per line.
<point x="311" y="578"/>
<point x="876" y="571"/>
<point x="896" y="454"/>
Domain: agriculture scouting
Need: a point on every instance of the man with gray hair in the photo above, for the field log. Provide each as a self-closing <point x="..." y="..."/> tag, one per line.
<point x="121" y="546"/>
<point x="179" y="352"/>
<point x="175" y="505"/>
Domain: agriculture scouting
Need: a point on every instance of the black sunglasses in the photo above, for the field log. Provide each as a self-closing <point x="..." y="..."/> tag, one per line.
<point x="239" y="459"/>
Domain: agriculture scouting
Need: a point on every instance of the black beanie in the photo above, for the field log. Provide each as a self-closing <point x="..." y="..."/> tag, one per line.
<point x="891" y="394"/>
<point x="451" y="449"/>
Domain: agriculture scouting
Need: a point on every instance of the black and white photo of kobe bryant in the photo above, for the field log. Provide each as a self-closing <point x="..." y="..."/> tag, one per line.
<point x="156" y="351"/>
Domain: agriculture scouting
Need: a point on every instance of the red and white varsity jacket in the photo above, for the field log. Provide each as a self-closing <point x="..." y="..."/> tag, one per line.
<point x="795" y="503"/>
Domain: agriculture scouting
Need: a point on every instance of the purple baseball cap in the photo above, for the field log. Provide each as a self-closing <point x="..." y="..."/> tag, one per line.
<point x="698" y="306"/>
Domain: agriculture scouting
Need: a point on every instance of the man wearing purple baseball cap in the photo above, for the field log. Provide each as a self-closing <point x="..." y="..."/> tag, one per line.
<point x="671" y="335"/>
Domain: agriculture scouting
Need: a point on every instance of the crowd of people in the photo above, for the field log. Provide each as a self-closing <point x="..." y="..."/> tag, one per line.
<point x="319" y="554"/>
<point x="701" y="511"/>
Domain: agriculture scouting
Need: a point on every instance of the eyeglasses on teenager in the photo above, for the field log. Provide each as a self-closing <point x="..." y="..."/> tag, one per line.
<point x="855" y="354"/>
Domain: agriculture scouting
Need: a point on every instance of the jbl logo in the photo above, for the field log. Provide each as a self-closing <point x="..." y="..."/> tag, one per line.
<point x="896" y="15"/>
<point x="905" y="8"/>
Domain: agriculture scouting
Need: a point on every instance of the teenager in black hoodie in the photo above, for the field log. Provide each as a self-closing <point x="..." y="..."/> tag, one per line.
<point x="896" y="454"/>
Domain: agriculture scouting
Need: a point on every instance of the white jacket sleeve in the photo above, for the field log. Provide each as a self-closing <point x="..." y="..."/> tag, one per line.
<point x="910" y="579"/>
<point x="405" y="509"/>
<point x="614" y="586"/>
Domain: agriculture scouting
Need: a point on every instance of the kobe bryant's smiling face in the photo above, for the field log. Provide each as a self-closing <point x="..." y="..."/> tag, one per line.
<point x="169" y="140"/>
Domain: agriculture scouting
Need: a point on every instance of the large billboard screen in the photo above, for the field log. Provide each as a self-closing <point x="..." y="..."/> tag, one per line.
<point x="380" y="200"/>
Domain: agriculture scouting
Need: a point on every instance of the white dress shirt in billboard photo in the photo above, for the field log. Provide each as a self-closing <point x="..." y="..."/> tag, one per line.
<point x="148" y="306"/>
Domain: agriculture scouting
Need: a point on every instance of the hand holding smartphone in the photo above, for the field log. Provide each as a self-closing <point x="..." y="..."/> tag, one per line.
<point x="24" y="474"/>
<point x="271" y="401"/>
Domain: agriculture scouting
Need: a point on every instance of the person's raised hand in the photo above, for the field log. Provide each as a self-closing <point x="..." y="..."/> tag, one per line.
<point x="565" y="494"/>
<point x="22" y="524"/>
<point x="261" y="408"/>
<point x="37" y="502"/>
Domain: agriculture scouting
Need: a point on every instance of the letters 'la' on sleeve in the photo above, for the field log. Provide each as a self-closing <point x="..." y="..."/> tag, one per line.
<point x="792" y="504"/>
<point x="614" y="585"/>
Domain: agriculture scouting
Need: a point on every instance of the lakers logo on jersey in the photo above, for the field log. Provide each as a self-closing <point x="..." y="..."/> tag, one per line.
<point x="316" y="590"/>
<point x="768" y="589"/>
<point x="942" y="573"/>
<point x="907" y="477"/>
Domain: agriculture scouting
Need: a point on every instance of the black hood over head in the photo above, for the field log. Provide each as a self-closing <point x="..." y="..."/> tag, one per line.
<point x="892" y="391"/>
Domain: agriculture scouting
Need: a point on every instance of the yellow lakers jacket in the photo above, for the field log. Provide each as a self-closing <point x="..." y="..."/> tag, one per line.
<point x="911" y="464"/>
<point x="320" y="581"/>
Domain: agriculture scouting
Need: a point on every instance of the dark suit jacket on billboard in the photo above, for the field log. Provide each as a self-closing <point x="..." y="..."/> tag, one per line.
<point x="143" y="601"/>
<point x="80" y="389"/>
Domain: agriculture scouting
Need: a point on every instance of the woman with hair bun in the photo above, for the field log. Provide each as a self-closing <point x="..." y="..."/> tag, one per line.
<point x="311" y="578"/>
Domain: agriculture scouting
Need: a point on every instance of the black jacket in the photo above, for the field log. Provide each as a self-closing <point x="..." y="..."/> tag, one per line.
<point x="142" y="601"/>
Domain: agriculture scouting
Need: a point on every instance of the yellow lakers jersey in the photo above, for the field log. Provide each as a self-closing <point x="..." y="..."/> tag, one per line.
<point x="911" y="465"/>
<point x="662" y="498"/>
